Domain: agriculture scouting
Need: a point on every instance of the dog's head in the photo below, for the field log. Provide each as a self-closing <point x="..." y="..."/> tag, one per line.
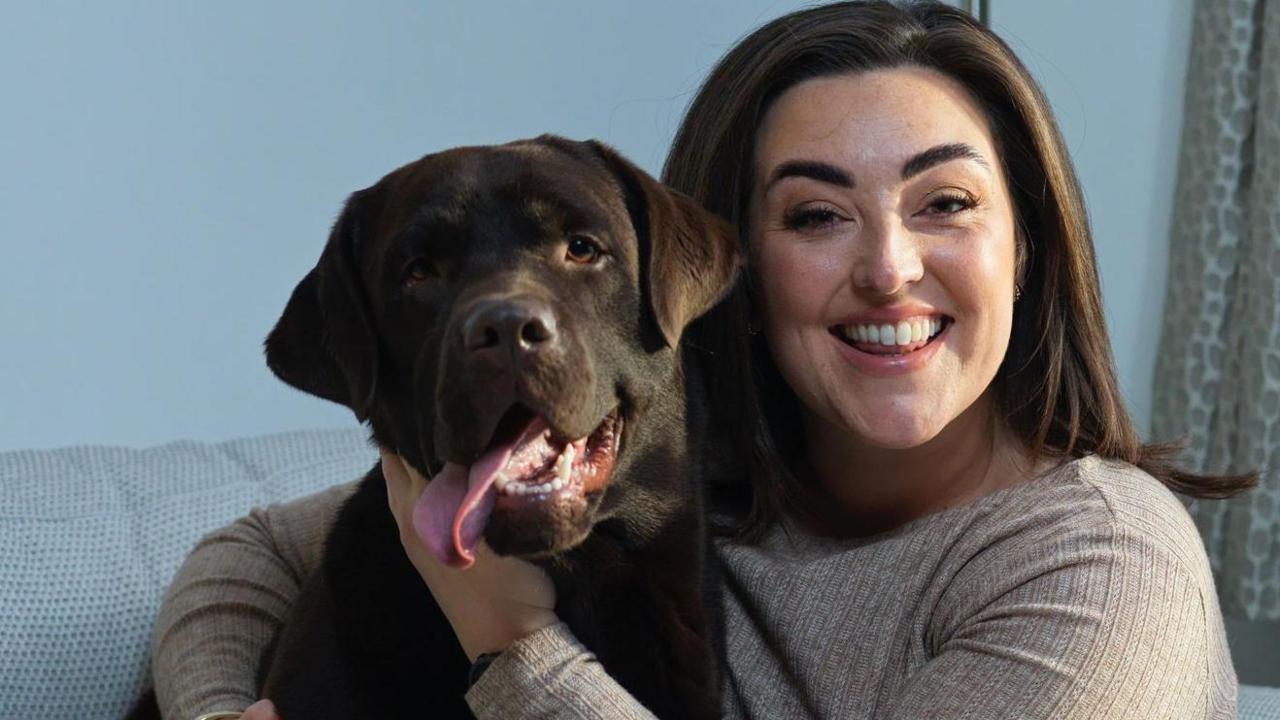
<point x="502" y="317"/>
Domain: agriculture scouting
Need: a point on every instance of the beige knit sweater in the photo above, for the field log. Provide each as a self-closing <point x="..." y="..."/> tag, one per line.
<point x="1084" y="593"/>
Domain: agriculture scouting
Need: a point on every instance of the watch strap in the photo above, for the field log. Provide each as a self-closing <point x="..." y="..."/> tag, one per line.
<point x="483" y="660"/>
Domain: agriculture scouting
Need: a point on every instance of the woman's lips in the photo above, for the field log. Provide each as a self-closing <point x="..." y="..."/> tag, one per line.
<point x="866" y="352"/>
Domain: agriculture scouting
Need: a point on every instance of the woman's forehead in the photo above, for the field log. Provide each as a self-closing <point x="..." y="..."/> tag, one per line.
<point x="870" y="119"/>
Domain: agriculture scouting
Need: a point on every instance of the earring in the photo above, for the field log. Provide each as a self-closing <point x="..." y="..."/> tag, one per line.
<point x="1017" y="292"/>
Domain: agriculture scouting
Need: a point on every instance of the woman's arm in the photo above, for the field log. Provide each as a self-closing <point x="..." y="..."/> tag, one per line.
<point x="234" y="591"/>
<point x="228" y="600"/>
<point x="549" y="675"/>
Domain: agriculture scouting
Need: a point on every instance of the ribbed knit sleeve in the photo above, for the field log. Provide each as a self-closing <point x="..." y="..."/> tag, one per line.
<point x="1095" y="622"/>
<point x="549" y="675"/>
<point x="1096" y="603"/>
<point x="228" y="600"/>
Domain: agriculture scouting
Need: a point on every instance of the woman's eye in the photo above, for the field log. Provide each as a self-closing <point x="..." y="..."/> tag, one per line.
<point x="810" y="218"/>
<point x="950" y="204"/>
<point x="582" y="250"/>
<point x="417" y="272"/>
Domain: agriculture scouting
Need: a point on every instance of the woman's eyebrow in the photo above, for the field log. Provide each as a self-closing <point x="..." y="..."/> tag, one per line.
<point x="939" y="154"/>
<point x="820" y="171"/>
<point x="918" y="163"/>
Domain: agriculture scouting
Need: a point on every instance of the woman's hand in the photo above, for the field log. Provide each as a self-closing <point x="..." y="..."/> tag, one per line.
<point x="491" y="604"/>
<point x="261" y="710"/>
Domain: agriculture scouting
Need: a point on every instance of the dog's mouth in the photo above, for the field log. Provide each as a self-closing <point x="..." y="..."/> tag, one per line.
<point x="544" y="463"/>
<point x="526" y="465"/>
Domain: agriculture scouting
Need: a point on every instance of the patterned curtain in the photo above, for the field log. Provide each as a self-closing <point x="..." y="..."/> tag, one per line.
<point x="1217" y="380"/>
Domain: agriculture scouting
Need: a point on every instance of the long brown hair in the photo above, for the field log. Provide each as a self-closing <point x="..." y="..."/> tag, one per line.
<point x="1056" y="386"/>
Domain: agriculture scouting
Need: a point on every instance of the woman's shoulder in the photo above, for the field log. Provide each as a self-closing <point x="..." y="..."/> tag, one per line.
<point x="1101" y="555"/>
<point x="1090" y="523"/>
<point x="1119" y="557"/>
<point x="1115" y="502"/>
<point x="1089" y="533"/>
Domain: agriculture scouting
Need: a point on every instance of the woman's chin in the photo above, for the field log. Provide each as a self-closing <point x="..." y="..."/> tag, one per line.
<point x="889" y="430"/>
<point x="898" y="440"/>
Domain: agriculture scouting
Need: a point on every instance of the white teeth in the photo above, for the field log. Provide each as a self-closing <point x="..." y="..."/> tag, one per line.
<point x="563" y="468"/>
<point x="905" y="332"/>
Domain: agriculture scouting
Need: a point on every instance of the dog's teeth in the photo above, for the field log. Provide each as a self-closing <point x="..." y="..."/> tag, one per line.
<point x="564" y="465"/>
<point x="563" y="470"/>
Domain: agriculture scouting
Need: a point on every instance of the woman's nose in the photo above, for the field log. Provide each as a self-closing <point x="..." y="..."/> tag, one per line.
<point x="888" y="258"/>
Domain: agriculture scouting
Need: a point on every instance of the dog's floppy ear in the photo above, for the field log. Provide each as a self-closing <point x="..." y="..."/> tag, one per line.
<point x="691" y="259"/>
<point x="324" y="343"/>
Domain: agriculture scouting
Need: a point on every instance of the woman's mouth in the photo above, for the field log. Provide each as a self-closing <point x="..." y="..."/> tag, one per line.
<point x="896" y="339"/>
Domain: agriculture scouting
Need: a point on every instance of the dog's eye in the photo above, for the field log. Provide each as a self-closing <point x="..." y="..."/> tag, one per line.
<point x="417" y="272"/>
<point x="582" y="250"/>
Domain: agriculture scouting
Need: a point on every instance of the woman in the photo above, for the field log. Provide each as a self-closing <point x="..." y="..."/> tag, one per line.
<point x="946" y="512"/>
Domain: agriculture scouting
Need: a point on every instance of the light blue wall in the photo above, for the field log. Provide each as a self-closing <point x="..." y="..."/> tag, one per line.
<point x="170" y="169"/>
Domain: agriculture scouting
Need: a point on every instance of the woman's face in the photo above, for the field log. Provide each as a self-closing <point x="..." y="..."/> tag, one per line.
<point x="882" y="243"/>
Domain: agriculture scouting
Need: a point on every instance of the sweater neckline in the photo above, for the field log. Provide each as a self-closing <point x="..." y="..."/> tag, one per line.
<point x="790" y="532"/>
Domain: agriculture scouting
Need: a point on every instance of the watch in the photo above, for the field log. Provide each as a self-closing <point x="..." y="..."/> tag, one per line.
<point x="483" y="660"/>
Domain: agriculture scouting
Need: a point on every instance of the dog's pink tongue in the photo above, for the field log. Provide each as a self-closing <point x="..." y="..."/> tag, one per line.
<point x="454" y="508"/>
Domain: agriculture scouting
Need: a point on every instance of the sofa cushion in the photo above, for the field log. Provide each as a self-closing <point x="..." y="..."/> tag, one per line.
<point x="1259" y="703"/>
<point x="90" y="536"/>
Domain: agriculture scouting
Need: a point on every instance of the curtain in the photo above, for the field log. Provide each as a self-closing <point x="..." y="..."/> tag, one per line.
<point x="1217" y="381"/>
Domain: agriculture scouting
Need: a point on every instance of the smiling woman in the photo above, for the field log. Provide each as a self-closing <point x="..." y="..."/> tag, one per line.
<point x="886" y="283"/>
<point x="930" y="499"/>
<point x="967" y="108"/>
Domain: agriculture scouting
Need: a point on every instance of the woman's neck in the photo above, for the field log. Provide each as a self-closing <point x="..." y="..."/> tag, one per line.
<point x="862" y="490"/>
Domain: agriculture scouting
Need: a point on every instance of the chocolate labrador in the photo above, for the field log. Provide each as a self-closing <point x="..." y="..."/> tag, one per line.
<point x="507" y="319"/>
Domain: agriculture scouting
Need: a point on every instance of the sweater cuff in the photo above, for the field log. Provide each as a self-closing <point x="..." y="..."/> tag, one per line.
<point x="549" y="674"/>
<point x="219" y="703"/>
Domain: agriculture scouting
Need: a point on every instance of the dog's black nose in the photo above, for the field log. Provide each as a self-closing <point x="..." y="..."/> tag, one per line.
<point x="518" y="326"/>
